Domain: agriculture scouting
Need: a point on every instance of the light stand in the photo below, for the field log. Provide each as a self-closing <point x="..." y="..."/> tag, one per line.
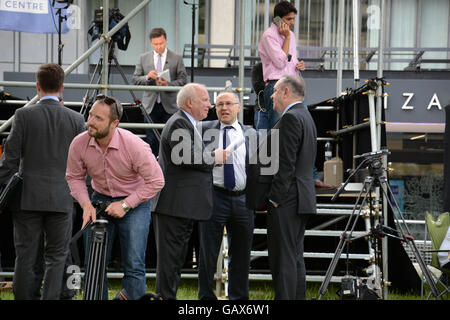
<point x="375" y="179"/>
<point x="193" y="38"/>
<point x="88" y="102"/>
<point x="61" y="18"/>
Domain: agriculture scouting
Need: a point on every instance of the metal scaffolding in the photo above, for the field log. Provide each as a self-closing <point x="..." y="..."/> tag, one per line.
<point x="104" y="41"/>
<point x="375" y="124"/>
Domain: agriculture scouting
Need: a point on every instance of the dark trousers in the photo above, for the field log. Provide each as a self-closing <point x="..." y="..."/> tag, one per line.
<point x="28" y="229"/>
<point x="1" y="270"/>
<point x="285" y="235"/>
<point x="39" y="269"/>
<point x="172" y="236"/>
<point x="158" y="115"/>
<point x="230" y="212"/>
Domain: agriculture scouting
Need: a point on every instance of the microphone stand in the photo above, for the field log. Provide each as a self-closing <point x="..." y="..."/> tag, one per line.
<point x="60" y="20"/>
<point x="193" y="37"/>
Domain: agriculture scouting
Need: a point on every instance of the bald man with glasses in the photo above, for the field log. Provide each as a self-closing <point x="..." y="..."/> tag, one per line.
<point x="229" y="209"/>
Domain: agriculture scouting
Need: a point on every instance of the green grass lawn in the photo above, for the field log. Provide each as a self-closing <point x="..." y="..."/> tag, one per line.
<point x="259" y="290"/>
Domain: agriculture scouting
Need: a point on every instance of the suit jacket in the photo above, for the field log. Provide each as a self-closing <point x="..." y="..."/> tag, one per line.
<point x="260" y="172"/>
<point x="187" y="170"/>
<point x="178" y="77"/>
<point x="295" y="162"/>
<point x="38" y="144"/>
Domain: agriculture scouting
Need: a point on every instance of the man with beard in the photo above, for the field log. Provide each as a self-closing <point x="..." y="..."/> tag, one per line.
<point x="125" y="173"/>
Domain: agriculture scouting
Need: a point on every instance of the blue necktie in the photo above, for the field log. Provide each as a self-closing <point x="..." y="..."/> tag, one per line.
<point x="159" y="69"/>
<point x="228" y="168"/>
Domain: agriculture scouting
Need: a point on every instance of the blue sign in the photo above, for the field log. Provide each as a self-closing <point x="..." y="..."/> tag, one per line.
<point x="36" y="16"/>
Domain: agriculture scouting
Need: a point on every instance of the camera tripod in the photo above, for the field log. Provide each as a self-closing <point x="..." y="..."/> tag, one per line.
<point x="96" y="266"/>
<point x="373" y="180"/>
<point x="89" y="101"/>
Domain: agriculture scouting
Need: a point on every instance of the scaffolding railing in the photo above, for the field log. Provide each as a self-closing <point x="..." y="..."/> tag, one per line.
<point x="323" y="58"/>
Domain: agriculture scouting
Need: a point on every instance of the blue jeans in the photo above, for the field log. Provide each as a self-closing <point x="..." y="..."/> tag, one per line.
<point x="133" y="231"/>
<point x="267" y="119"/>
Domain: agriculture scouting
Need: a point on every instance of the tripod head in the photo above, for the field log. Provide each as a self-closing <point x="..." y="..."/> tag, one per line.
<point x="374" y="163"/>
<point x="100" y="207"/>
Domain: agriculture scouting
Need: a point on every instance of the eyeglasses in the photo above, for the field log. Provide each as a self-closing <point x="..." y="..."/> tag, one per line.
<point x="109" y="101"/>
<point x="228" y="104"/>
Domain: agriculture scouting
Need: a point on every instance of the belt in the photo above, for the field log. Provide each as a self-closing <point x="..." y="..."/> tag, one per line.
<point x="269" y="81"/>
<point x="228" y="192"/>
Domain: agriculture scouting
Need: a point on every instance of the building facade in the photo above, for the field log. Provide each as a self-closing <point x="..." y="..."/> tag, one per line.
<point x="416" y="54"/>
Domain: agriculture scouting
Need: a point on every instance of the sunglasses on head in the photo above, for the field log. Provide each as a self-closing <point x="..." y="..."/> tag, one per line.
<point x="109" y="101"/>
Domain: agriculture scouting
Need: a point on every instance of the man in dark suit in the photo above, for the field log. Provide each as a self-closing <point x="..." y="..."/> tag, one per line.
<point x="292" y="195"/>
<point x="287" y="188"/>
<point x="160" y="105"/>
<point x="229" y="208"/>
<point x="37" y="147"/>
<point x="187" y="194"/>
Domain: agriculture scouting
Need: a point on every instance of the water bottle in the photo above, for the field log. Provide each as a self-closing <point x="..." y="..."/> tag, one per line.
<point x="328" y="151"/>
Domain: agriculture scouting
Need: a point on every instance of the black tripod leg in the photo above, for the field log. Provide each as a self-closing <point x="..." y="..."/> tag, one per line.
<point x="410" y="240"/>
<point x="86" y="100"/>
<point x="96" y="267"/>
<point x="337" y="254"/>
<point x="344" y="238"/>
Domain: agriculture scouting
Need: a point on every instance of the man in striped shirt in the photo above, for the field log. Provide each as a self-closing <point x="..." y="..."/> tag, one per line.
<point x="125" y="173"/>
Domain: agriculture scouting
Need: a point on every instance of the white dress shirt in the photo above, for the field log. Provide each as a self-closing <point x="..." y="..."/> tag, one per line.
<point x="237" y="156"/>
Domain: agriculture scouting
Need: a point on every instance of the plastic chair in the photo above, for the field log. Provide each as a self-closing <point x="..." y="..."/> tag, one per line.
<point x="437" y="228"/>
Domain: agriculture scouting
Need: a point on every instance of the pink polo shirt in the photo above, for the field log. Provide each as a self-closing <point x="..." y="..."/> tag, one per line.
<point x="274" y="60"/>
<point x="127" y="168"/>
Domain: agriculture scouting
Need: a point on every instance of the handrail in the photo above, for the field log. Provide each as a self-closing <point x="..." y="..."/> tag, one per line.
<point x="26" y="84"/>
<point x="325" y="54"/>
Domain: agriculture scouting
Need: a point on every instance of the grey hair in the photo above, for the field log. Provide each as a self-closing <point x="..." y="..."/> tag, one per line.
<point x="295" y="83"/>
<point x="232" y="93"/>
<point x="188" y="91"/>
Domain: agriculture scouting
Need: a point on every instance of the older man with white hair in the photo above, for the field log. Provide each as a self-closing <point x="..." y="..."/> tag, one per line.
<point x="187" y="195"/>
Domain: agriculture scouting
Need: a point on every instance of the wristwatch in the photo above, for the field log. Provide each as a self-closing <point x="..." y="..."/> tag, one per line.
<point x="124" y="206"/>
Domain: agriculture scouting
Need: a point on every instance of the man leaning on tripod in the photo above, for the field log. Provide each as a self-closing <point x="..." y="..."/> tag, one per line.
<point x="124" y="172"/>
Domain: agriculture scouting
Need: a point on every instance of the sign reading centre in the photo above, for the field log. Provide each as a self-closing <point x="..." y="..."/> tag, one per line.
<point x="36" y="16"/>
<point x="25" y="6"/>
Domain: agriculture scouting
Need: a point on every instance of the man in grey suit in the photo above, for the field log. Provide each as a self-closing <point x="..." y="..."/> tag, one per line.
<point x="37" y="147"/>
<point x="187" y="194"/>
<point x="160" y="105"/>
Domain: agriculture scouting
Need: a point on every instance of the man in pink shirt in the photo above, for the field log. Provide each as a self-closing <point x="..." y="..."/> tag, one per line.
<point x="125" y="173"/>
<point x="278" y="51"/>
